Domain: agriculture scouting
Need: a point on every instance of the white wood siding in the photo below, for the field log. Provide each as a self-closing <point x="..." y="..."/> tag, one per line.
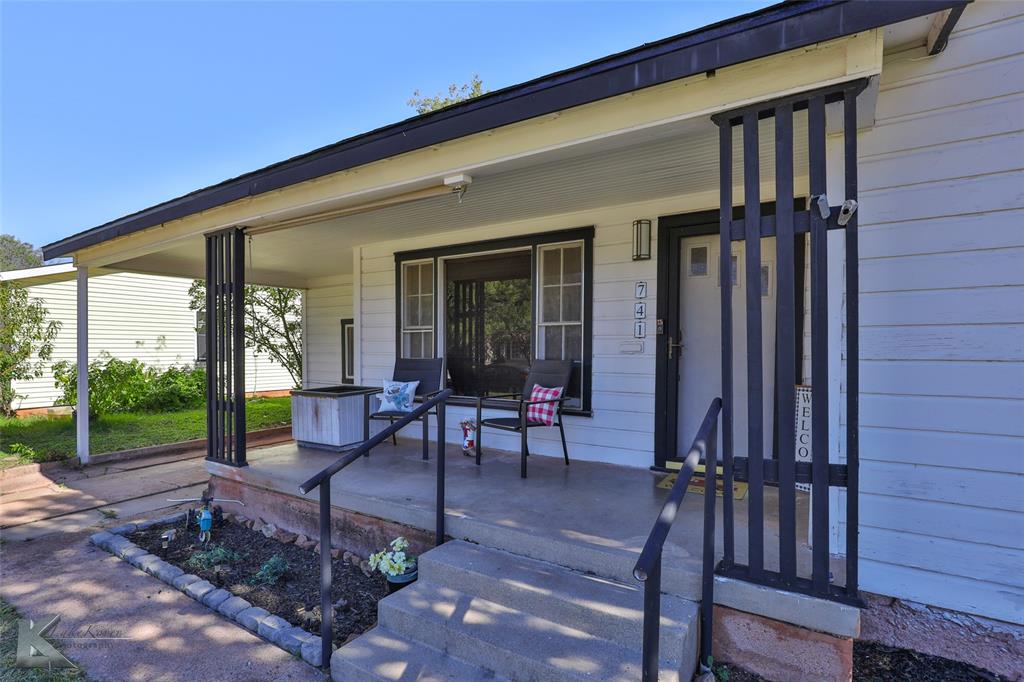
<point x="942" y="315"/>
<point x="326" y="307"/>
<point x="145" y="317"/>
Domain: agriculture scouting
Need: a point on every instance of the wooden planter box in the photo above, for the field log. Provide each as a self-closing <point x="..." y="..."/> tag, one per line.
<point x="331" y="418"/>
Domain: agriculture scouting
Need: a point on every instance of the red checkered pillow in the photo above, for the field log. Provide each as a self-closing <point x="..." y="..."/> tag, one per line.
<point x="545" y="412"/>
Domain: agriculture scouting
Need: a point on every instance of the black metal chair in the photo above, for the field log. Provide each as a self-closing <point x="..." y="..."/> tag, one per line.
<point x="428" y="372"/>
<point x="545" y="373"/>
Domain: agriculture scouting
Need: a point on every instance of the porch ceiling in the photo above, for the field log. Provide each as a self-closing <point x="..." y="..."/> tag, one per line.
<point x="675" y="160"/>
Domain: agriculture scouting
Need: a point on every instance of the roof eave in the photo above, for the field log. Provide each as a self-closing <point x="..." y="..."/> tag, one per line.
<point x="775" y="29"/>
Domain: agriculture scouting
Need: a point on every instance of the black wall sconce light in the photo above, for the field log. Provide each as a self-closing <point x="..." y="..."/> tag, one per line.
<point x="642" y="239"/>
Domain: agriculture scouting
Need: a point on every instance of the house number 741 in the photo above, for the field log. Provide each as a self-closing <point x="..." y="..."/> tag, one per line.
<point x="640" y="289"/>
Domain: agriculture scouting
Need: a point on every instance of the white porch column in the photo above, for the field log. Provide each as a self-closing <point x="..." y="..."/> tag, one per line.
<point x="82" y="423"/>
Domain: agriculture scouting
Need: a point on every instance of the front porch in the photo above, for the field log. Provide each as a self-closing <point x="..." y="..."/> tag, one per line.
<point x="591" y="517"/>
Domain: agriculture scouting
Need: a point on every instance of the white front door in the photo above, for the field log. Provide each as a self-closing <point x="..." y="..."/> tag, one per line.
<point x="700" y="367"/>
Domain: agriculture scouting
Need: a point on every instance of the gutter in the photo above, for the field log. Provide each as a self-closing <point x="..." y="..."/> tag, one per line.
<point x="775" y="29"/>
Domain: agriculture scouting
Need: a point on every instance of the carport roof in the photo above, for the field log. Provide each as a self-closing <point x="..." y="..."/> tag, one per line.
<point x="774" y="29"/>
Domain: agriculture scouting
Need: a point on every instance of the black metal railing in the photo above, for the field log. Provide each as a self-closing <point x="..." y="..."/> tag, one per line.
<point x="323" y="481"/>
<point x="648" y="566"/>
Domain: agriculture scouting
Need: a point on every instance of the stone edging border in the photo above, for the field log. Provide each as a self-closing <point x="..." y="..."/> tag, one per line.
<point x="274" y="629"/>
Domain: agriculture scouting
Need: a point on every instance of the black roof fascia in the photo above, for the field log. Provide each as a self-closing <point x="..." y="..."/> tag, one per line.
<point x="775" y="29"/>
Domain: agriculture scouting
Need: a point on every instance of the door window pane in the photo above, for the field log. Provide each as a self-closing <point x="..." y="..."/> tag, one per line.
<point x="698" y="261"/>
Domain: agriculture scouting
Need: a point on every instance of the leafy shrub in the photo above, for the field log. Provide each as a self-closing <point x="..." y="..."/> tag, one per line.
<point x="271" y="571"/>
<point x="207" y="559"/>
<point x="176" y="388"/>
<point x="129" y="385"/>
<point x="24" y="452"/>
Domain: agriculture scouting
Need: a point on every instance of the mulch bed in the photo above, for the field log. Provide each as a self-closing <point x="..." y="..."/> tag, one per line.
<point x="879" y="663"/>
<point x="296" y="596"/>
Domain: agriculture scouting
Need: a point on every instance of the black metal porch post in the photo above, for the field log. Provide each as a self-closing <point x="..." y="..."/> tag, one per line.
<point x="238" y="342"/>
<point x="225" y="347"/>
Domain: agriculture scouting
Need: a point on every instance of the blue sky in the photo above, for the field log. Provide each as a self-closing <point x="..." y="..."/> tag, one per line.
<point x="110" y="107"/>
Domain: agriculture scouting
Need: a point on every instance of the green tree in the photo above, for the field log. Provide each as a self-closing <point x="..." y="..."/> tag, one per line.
<point x="26" y="340"/>
<point x="273" y="323"/>
<point x="507" y="322"/>
<point x="18" y="255"/>
<point x="456" y="93"/>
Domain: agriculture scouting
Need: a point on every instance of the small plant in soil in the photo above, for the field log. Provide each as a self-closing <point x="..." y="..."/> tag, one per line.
<point x="394" y="562"/>
<point x="271" y="571"/>
<point x="208" y="559"/>
<point x="108" y="513"/>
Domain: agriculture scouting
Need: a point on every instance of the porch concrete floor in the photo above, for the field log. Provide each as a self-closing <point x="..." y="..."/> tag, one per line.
<point x="589" y="516"/>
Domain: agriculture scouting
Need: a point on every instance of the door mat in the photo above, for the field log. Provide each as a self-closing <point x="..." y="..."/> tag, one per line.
<point x="696" y="485"/>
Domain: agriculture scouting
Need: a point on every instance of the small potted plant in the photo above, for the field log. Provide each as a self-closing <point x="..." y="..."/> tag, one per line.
<point x="397" y="566"/>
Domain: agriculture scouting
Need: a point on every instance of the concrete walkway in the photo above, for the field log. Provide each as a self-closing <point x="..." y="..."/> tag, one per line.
<point x="154" y="632"/>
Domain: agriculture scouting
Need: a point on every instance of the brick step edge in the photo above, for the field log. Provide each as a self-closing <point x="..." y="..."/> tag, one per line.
<point x="265" y="625"/>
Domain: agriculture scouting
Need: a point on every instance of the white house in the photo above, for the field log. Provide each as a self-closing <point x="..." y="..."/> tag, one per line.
<point x="593" y="195"/>
<point x="133" y="316"/>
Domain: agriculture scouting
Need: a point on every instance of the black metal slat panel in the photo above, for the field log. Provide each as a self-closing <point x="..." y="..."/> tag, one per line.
<point x="210" y="371"/>
<point x="229" y="339"/>
<point x="785" y="349"/>
<point x="725" y="270"/>
<point x="755" y="360"/>
<point x="222" y="333"/>
<point x="225" y="334"/>
<point x="819" y="349"/>
<point x="214" y="361"/>
<point x="238" y="317"/>
<point x="852" y="347"/>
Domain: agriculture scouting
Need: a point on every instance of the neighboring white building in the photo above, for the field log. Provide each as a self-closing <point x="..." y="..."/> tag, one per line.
<point x="132" y="316"/>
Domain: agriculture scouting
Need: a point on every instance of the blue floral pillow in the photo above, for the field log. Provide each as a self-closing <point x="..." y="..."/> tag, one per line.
<point x="398" y="396"/>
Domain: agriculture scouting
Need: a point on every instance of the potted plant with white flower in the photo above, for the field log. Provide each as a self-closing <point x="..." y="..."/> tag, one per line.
<point x="397" y="566"/>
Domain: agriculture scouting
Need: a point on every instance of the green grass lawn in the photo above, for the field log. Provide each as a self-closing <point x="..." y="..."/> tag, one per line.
<point x="54" y="439"/>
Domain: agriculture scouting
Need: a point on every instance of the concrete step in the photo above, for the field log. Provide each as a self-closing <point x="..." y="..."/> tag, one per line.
<point x="383" y="655"/>
<point x="601" y="607"/>
<point x="511" y="642"/>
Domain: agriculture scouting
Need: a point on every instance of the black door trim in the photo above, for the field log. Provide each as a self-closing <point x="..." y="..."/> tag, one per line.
<point x="671" y="229"/>
<point x="666" y="398"/>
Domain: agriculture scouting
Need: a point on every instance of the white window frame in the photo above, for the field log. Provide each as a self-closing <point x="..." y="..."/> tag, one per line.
<point x="539" y="322"/>
<point x="425" y="330"/>
<point x="439" y="255"/>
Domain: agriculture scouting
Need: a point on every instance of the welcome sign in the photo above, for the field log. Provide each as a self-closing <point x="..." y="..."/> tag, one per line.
<point x="803" y="428"/>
